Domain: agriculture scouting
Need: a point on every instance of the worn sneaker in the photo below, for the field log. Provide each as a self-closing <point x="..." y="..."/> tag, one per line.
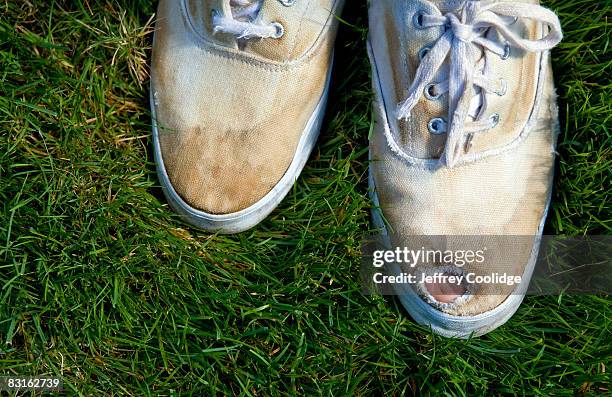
<point x="463" y="150"/>
<point x="238" y="90"/>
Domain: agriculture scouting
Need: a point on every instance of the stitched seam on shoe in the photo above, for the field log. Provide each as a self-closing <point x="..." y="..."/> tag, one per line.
<point x="258" y="64"/>
<point x="406" y="71"/>
<point x="290" y="53"/>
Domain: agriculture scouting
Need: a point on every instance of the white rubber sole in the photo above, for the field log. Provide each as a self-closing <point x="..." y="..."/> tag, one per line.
<point x="249" y="217"/>
<point x="442" y="323"/>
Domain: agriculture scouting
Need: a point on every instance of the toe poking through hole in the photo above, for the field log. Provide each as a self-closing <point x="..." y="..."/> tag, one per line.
<point x="444" y="287"/>
<point x="445" y="292"/>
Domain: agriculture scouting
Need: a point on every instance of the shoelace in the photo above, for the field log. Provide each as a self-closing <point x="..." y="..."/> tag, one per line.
<point x="242" y="21"/>
<point x="466" y="38"/>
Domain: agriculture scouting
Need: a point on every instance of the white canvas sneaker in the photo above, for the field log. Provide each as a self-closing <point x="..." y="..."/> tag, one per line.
<point x="463" y="146"/>
<point x="238" y="91"/>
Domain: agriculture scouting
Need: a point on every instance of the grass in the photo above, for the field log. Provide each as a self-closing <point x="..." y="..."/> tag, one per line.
<point x="102" y="284"/>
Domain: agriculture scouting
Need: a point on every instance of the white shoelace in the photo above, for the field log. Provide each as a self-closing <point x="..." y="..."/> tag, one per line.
<point x="242" y="22"/>
<point x="469" y="40"/>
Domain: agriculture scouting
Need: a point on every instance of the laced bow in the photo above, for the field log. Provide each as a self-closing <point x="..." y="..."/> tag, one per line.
<point x="242" y="22"/>
<point x="466" y="37"/>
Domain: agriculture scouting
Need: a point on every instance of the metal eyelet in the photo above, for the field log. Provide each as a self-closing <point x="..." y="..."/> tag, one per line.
<point x="506" y="53"/>
<point x="424" y="51"/>
<point x="417" y="20"/>
<point x="494" y="118"/>
<point x="280" y="30"/>
<point x="504" y="88"/>
<point x="436" y="126"/>
<point x="287" y="3"/>
<point x="429" y="92"/>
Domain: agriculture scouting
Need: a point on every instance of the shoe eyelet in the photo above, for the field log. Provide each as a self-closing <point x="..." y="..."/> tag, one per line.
<point x="429" y="92"/>
<point x="280" y="30"/>
<point x="504" y="90"/>
<point x="417" y="20"/>
<point x="436" y="126"/>
<point x="287" y="3"/>
<point x="506" y="53"/>
<point x="424" y="51"/>
<point x="494" y="118"/>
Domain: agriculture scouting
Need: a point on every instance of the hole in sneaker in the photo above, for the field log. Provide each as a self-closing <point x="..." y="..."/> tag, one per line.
<point x="444" y="291"/>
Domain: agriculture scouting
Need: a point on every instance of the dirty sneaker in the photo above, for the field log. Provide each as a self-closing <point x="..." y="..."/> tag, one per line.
<point x="238" y="89"/>
<point x="463" y="149"/>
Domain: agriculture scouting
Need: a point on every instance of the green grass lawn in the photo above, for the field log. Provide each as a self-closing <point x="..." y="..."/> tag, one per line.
<point x="101" y="284"/>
